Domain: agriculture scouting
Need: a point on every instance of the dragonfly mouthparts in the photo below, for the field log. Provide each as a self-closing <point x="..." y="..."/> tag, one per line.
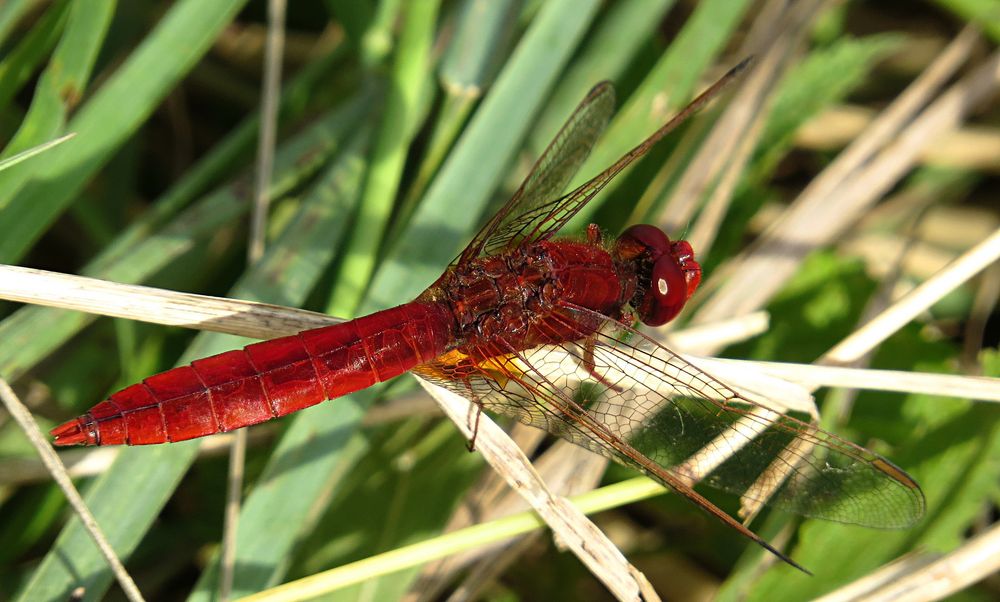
<point x="684" y="254"/>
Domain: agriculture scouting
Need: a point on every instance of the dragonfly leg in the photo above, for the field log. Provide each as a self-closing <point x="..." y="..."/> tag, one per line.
<point x="593" y="234"/>
<point x="471" y="445"/>
<point x="588" y="363"/>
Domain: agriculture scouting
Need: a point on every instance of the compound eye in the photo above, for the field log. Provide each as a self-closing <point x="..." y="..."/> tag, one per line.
<point x="667" y="294"/>
<point x="646" y="240"/>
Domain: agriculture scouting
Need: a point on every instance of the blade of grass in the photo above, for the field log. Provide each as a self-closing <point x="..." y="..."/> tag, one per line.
<point x="11" y="12"/>
<point x="983" y="13"/>
<point x="62" y="85"/>
<point x="616" y="41"/>
<point x="461" y="190"/>
<point x="127" y="498"/>
<point x="34" y="332"/>
<point x="19" y="64"/>
<point x="665" y="88"/>
<point x="470" y="63"/>
<point x="112" y="115"/>
<point x="398" y="126"/>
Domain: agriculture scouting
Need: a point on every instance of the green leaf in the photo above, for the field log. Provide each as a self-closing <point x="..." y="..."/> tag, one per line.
<point x="984" y="13"/>
<point x="398" y="126"/>
<point x="458" y="195"/>
<point x="128" y="497"/>
<point x="17" y="66"/>
<point x="667" y="87"/>
<point x="320" y="441"/>
<point x="113" y="114"/>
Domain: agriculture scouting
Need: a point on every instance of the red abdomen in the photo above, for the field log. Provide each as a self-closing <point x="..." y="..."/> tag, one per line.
<point x="265" y="380"/>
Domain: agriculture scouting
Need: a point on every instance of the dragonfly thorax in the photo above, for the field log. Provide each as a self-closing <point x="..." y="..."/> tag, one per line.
<point x="516" y="296"/>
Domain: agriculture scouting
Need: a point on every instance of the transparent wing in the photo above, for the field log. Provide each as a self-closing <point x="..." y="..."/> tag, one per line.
<point x="616" y="392"/>
<point x="552" y="171"/>
<point x="534" y="213"/>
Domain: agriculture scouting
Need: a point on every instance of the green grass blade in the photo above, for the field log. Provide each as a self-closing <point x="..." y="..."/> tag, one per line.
<point x="460" y="192"/>
<point x="616" y="41"/>
<point x="126" y="509"/>
<point x="474" y="55"/>
<point x="398" y="126"/>
<point x="63" y="83"/>
<point x="11" y="12"/>
<point x="676" y="75"/>
<point x="32" y="333"/>
<point x="18" y="65"/>
<point x="478" y="47"/>
<point x="112" y="115"/>
<point x="984" y="13"/>
<point x="292" y="484"/>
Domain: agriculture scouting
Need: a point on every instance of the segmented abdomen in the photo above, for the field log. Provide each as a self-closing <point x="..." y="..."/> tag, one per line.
<point x="265" y="380"/>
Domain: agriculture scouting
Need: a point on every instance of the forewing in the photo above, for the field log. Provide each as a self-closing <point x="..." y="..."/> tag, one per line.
<point x="522" y="222"/>
<point x="552" y="171"/>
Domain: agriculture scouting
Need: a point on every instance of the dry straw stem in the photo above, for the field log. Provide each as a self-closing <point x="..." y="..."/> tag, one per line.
<point x="158" y="306"/>
<point x="738" y="125"/>
<point x="570" y="525"/>
<point x="258" y="320"/>
<point x="58" y="472"/>
<point x="974" y="148"/>
<point x="717" y="206"/>
<point x="919" y="579"/>
<point x="696" y="339"/>
<point x="856" y="179"/>
<point x="812" y="377"/>
<point x="916" y="301"/>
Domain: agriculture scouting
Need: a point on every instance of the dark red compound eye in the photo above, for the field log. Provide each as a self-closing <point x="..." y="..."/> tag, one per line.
<point x="673" y="277"/>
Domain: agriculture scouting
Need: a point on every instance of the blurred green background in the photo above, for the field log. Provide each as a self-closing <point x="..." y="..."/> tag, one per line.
<point x="403" y="125"/>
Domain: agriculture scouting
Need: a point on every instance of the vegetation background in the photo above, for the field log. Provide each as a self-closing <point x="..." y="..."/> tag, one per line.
<point x="402" y="125"/>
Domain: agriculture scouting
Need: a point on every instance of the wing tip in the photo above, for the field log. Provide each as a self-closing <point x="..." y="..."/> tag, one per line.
<point x="782" y="556"/>
<point x="743" y="65"/>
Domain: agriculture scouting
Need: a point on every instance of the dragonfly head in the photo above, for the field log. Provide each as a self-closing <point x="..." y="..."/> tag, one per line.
<point x="666" y="272"/>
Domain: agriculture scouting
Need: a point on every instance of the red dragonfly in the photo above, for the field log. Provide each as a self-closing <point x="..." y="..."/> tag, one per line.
<point x="540" y="329"/>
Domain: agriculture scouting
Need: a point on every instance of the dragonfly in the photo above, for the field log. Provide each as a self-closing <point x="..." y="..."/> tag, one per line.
<point x="542" y="329"/>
